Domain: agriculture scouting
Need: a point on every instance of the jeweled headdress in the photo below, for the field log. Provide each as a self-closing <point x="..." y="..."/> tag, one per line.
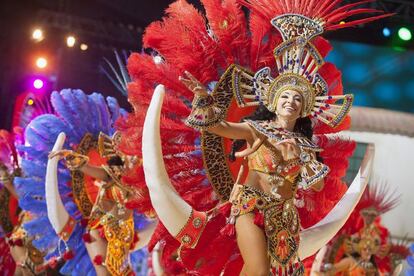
<point x="369" y="238"/>
<point x="298" y="60"/>
<point x="376" y="200"/>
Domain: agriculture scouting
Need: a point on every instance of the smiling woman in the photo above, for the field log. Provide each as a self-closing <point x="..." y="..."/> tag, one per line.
<point x="278" y="155"/>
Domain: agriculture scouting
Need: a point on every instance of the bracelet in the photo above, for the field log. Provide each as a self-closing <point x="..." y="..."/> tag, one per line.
<point x="205" y="113"/>
<point x="76" y="161"/>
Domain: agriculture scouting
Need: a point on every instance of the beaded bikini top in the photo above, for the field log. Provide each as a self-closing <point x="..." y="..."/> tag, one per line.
<point x="267" y="159"/>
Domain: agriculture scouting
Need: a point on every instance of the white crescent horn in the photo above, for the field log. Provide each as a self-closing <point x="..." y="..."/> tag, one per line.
<point x="315" y="237"/>
<point x="56" y="212"/>
<point x="156" y="260"/>
<point x="317" y="263"/>
<point x="171" y="209"/>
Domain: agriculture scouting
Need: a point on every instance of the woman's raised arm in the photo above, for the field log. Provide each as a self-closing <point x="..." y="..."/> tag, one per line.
<point x="95" y="172"/>
<point x="76" y="161"/>
<point x="206" y="116"/>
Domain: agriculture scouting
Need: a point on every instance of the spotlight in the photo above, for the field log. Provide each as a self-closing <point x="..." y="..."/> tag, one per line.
<point x="84" y="47"/>
<point x="41" y="62"/>
<point x="404" y="34"/>
<point x="38" y="84"/>
<point x="30" y="101"/>
<point x="37" y="35"/>
<point x="386" y="32"/>
<point x="70" y="41"/>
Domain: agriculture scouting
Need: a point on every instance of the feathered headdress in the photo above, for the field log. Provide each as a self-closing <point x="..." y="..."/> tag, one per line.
<point x="377" y="200"/>
<point x="297" y="59"/>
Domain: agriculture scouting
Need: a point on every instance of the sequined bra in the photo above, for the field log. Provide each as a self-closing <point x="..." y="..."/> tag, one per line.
<point x="267" y="159"/>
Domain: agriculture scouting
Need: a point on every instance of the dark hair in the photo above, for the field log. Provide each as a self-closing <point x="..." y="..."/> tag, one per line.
<point x="115" y="161"/>
<point x="303" y="126"/>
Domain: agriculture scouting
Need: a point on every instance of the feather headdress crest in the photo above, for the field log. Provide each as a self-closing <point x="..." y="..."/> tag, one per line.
<point x="297" y="59"/>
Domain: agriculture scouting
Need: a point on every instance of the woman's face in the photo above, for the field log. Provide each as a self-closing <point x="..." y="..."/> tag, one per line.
<point x="366" y="253"/>
<point x="289" y="105"/>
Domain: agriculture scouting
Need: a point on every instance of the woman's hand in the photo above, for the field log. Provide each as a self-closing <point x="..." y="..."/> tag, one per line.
<point x="289" y="149"/>
<point x="60" y="154"/>
<point x="250" y="149"/>
<point x="193" y="84"/>
<point x="74" y="161"/>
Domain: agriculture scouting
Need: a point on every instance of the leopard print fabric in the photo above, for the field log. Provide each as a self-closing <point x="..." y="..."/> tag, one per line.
<point x="78" y="182"/>
<point x="214" y="156"/>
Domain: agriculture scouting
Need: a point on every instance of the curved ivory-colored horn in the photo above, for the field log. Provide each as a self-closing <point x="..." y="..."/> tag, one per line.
<point x="156" y="257"/>
<point x="145" y="235"/>
<point x="315" y="237"/>
<point x="171" y="209"/>
<point x="56" y="212"/>
<point x="317" y="263"/>
<point x="397" y="271"/>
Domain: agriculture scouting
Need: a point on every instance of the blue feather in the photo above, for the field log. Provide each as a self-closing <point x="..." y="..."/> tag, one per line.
<point x="77" y="111"/>
<point x="102" y="112"/>
<point x="33" y="205"/>
<point x="29" y="187"/>
<point x="115" y="110"/>
<point x="82" y="103"/>
<point x="41" y="133"/>
<point x="139" y="262"/>
<point x="123" y="112"/>
<point x="65" y="113"/>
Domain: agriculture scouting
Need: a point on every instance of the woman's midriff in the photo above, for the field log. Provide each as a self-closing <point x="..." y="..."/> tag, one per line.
<point x="259" y="180"/>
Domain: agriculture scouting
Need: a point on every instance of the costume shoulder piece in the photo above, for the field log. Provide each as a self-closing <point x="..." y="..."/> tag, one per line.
<point x="312" y="171"/>
<point x="279" y="134"/>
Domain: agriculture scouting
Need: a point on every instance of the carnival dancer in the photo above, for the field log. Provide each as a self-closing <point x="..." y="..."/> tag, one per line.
<point x="281" y="153"/>
<point x="363" y="246"/>
<point x="109" y="214"/>
<point x="70" y="207"/>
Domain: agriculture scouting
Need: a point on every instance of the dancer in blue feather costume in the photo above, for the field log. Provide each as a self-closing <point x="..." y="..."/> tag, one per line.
<point x="78" y="116"/>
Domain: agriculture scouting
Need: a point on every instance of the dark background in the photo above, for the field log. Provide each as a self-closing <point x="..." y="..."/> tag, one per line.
<point x="106" y="25"/>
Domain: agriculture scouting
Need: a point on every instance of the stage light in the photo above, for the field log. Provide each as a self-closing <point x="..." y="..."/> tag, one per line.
<point x="38" y="84"/>
<point x="386" y="32"/>
<point x="41" y="62"/>
<point x="37" y="35"/>
<point x="84" y="47"/>
<point x="404" y="34"/>
<point x="30" y="102"/>
<point x="70" y="41"/>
